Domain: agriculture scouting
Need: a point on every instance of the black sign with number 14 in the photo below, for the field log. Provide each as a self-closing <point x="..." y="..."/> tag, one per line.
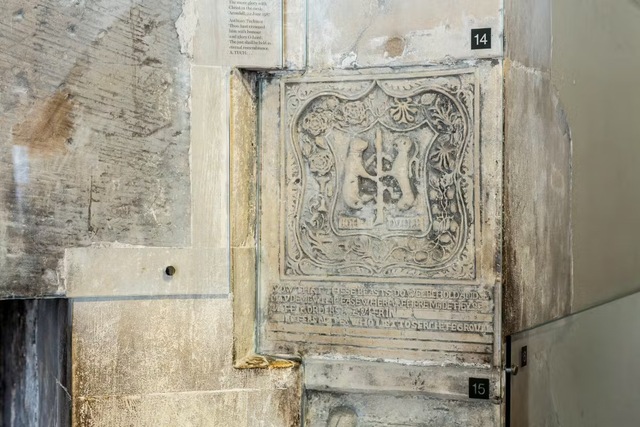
<point x="481" y="38"/>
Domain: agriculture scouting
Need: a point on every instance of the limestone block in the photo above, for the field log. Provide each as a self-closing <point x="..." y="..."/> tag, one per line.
<point x="295" y="34"/>
<point x="368" y="33"/>
<point x="357" y="376"/>
<point x="94" y="133"/>
<point x="538" y="258"/>
<point x="336" y="409"/>
<point x="210" y="157"/>
<point x="111" y="272"/>
<point x="380" y="215"/>
<point x="241" y="408"/>
<point x="169" y="362"/>
<point x="537" y="201"/>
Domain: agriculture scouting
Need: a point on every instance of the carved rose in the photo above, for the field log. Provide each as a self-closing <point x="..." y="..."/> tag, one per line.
<point x="354" y="112"/>
<point x="321" y="163"/>
<point x="315" y="123"/>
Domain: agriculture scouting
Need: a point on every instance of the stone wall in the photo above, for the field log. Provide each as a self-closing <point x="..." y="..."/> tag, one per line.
<point x="136" y="184"/>
<point x="95" y="133"/>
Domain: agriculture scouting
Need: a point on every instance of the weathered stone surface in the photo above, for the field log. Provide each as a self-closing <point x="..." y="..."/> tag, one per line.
<point x="357" y="376"/>
<point x="369" y="33"/>
<point x="245" y="408"/>
<point x="382" y="238"/>
<point x="537" y="201"/>
<point x="528" y="35"/>
<point x="167" y="362"/>
<point x="371" y="410"/>
<point x="537" y="175"/>
<point x="112" y="272"/>
<point x="94" y="133"/>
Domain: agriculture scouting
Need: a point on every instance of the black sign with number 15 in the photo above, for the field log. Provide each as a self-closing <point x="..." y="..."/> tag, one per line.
<point x="481" y="38"/>
<point x="478" y="388"/>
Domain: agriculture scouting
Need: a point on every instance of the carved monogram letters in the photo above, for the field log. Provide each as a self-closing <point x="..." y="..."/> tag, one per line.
<point x="379" y="178"/>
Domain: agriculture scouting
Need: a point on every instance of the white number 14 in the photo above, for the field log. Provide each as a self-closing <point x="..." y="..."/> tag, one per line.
<point x="482" y="39"/>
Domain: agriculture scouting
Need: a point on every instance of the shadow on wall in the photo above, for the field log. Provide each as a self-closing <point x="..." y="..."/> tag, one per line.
<point x="34" y="381"/>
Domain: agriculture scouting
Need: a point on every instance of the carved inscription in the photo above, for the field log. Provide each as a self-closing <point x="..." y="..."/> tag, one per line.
<point x="379" y="178"/>
<point x="459" y="318"/>
<point x="380" y="306"/>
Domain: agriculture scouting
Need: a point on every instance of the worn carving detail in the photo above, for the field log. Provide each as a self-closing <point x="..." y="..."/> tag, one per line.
<point x="379" y="178"/>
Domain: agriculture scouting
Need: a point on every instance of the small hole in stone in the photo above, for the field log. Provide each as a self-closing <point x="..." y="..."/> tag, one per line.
<point x="170" y="270"/>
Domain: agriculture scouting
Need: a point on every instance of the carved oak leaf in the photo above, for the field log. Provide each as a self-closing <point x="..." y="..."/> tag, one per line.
<point x="320" y="142"/>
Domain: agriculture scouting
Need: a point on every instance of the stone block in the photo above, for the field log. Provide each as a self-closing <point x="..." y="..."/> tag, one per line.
<point x="350" y="410"/>
<point x="377" y="238"/>
<point x="370" y="33"/>
<point x="168" y="362"/>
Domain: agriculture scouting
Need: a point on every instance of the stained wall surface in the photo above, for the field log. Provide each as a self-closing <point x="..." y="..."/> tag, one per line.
<point x="570" y="157"/>
<point x="537" y="198"/>
<point x="94" y="133"/>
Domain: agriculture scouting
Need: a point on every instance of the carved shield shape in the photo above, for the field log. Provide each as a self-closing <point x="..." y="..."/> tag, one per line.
<point x="379" y="178"/>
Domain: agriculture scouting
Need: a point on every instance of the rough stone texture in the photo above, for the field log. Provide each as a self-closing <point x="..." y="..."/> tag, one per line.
<point x="371" y="410"/>
<point x="242" y="211"/>
<point x="94" y="133"/>
<point x="537" y="201"/>
<point x="597" y="85"/>
<point x="537" y="175"/>
<point x="34" y="382"/>
<point x="357" y="376"/>
<point x="98" y="131"/>
<point x="366" y="33"/>
<point x="169" y="362"/>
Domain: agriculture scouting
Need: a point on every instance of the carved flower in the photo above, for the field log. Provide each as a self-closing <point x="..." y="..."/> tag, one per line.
<point x="325" y="104"/>
<point x="320" y="163"/>
<point x="354" y="112"/>
<point x="403" y="110"/>
<point x="315" y="123"/>
<point x="444" y="156"/>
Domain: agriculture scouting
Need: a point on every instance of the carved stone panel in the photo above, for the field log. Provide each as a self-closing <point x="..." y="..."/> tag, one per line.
<point x="370" y="245"/>
<point x="378" y="179"/>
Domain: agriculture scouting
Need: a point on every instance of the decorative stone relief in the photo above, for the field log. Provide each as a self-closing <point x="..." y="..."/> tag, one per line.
<point x="379" y="179"/>
<point x="373" y="250"/>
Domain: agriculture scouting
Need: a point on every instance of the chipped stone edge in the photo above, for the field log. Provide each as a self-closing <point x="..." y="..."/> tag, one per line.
<point x="242" y="218"/>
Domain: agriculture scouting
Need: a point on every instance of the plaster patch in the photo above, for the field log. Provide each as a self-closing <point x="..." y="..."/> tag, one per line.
<point x="186" y="26"/>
